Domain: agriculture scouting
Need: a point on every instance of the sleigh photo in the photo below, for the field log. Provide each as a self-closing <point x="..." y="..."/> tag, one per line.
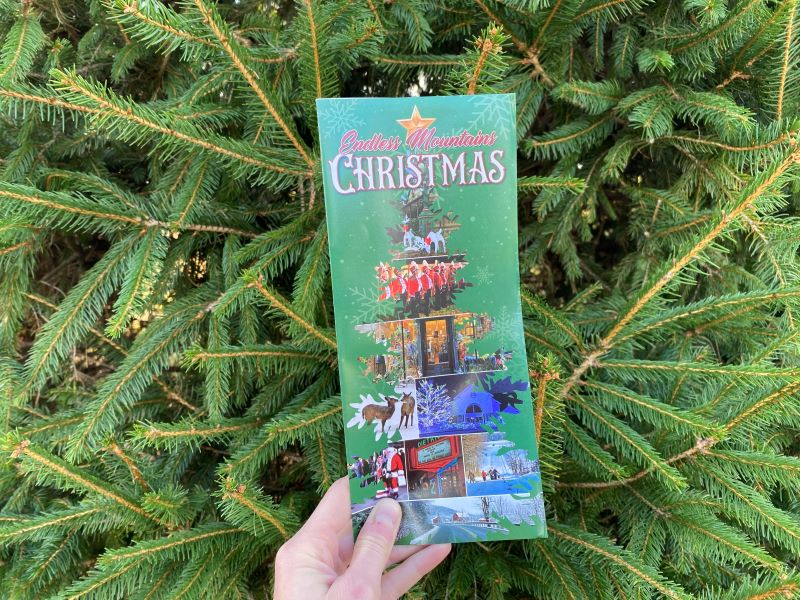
<point x="424" y="229"/>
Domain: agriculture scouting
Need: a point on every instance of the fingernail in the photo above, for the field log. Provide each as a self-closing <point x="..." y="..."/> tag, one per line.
<point x="386" y="512"/>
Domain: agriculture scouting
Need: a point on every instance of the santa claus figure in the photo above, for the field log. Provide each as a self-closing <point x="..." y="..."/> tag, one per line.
<point x="394" y="474"/>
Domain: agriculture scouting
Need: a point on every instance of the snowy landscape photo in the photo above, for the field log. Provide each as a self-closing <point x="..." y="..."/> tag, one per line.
<point x="494" y="466"/>
<point x="469" y="519"/>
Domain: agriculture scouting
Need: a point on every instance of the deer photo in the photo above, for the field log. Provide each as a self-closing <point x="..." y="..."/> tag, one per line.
<point x="377" y="412"/>
<point x="407" y="409"/>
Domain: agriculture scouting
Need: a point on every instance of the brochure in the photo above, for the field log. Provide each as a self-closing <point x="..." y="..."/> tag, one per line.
<point x="421" y="204"/>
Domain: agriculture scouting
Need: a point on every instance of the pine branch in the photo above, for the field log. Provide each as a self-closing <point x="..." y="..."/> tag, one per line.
<point x="268" y="359"/>
<point x="52" y="562"/>
<point x="178" y="546"/>
<point x="232" y="49"/>
<point x="742" y="10"/>
<point x="752" y="193"/>
<point x="567" y="581"/>
<point x="171" y="504"/>
<point x="585" y="450"/>
<point x="729" y="543"/>
<point x="786" y="62"/>
<point x="629" y="443"/>
<point x="22" y="43"/>
<point x="314" y="48"/>
<point x="774" y="588"/>
<point x="651" y="410"/>
<point x="701" y="446"/>
<point x="264" y="446"/>
<point x="298" y="326"/>
<point x="572" y="184"/>
<point x="755" y="410"/>
<point x="570" y="138"/>
<point x="759" y="39"/>
<point x="141" y="22"/>
<point x="538" y="307"/>
<point x="191" y="433"/>
<point x="566" y="9"/>
<point x="40" y="527"/>
<point x="753" y="511"/>
<point x="136" y="473"/>
<point x="142" y="269"/>
<point x="87" y="586"/>
<point x="252" y="511"/>
<point x="690" y="312"/>
<point x="644" y="368"/>
<point x="309" y="283"/>
<point x="75" y="317"/>
<point x="170" y="393"/>
<point x="148" y="357"/>
<point x="600" y="547"/>
<point x="50" y="469"/>
<point x="218" y="373"/>
<point x="126" y="571"/>
<point x="757" y="468"/>
<point x="78" y="212"/>
<point x="133" y="122"/>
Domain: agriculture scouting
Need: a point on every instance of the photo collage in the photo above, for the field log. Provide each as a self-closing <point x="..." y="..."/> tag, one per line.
<point x="440" y="446"/>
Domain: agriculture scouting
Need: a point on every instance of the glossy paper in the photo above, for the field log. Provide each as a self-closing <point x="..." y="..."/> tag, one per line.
<point x="420" y="195"/>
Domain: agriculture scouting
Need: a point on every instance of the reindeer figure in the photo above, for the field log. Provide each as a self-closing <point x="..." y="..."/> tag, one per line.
<point x="434" y="240"/>
<point x="407" y="410"/>
<point x="376" y="412"/>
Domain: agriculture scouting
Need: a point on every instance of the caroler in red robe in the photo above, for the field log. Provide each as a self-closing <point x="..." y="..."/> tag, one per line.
<point x="393" y="284"/>
<point x="413" y="281"/>
<point x="436" y="275"/>
<point x="425" y="278"/>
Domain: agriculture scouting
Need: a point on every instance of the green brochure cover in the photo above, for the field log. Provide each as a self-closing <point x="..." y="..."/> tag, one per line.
<point x="421" y="202"/>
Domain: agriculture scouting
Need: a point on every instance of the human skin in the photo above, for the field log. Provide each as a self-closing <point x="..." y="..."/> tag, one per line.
<point x="322" y="561"/>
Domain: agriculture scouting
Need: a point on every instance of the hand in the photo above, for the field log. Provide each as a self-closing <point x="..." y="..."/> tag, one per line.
<point x="321" y="561"/>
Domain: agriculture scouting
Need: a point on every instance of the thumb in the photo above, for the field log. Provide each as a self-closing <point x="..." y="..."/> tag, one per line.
<point x="372" y="550"/>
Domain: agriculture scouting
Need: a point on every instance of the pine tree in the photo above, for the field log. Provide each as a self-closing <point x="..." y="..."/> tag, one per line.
<point x="167" y="358"/>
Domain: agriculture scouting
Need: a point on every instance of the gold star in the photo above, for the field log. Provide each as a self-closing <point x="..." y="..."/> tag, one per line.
<point x="415" y="123"/>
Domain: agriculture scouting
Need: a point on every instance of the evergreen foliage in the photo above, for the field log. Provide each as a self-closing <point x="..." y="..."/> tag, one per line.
<point x="168" y="390"/>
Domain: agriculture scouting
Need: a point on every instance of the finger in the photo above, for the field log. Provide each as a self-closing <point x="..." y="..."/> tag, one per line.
<point x="400" y="553"/>
<point x="333" y="512"/>
<point x="373" y="546"/>
<point x="399" y="580"/>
